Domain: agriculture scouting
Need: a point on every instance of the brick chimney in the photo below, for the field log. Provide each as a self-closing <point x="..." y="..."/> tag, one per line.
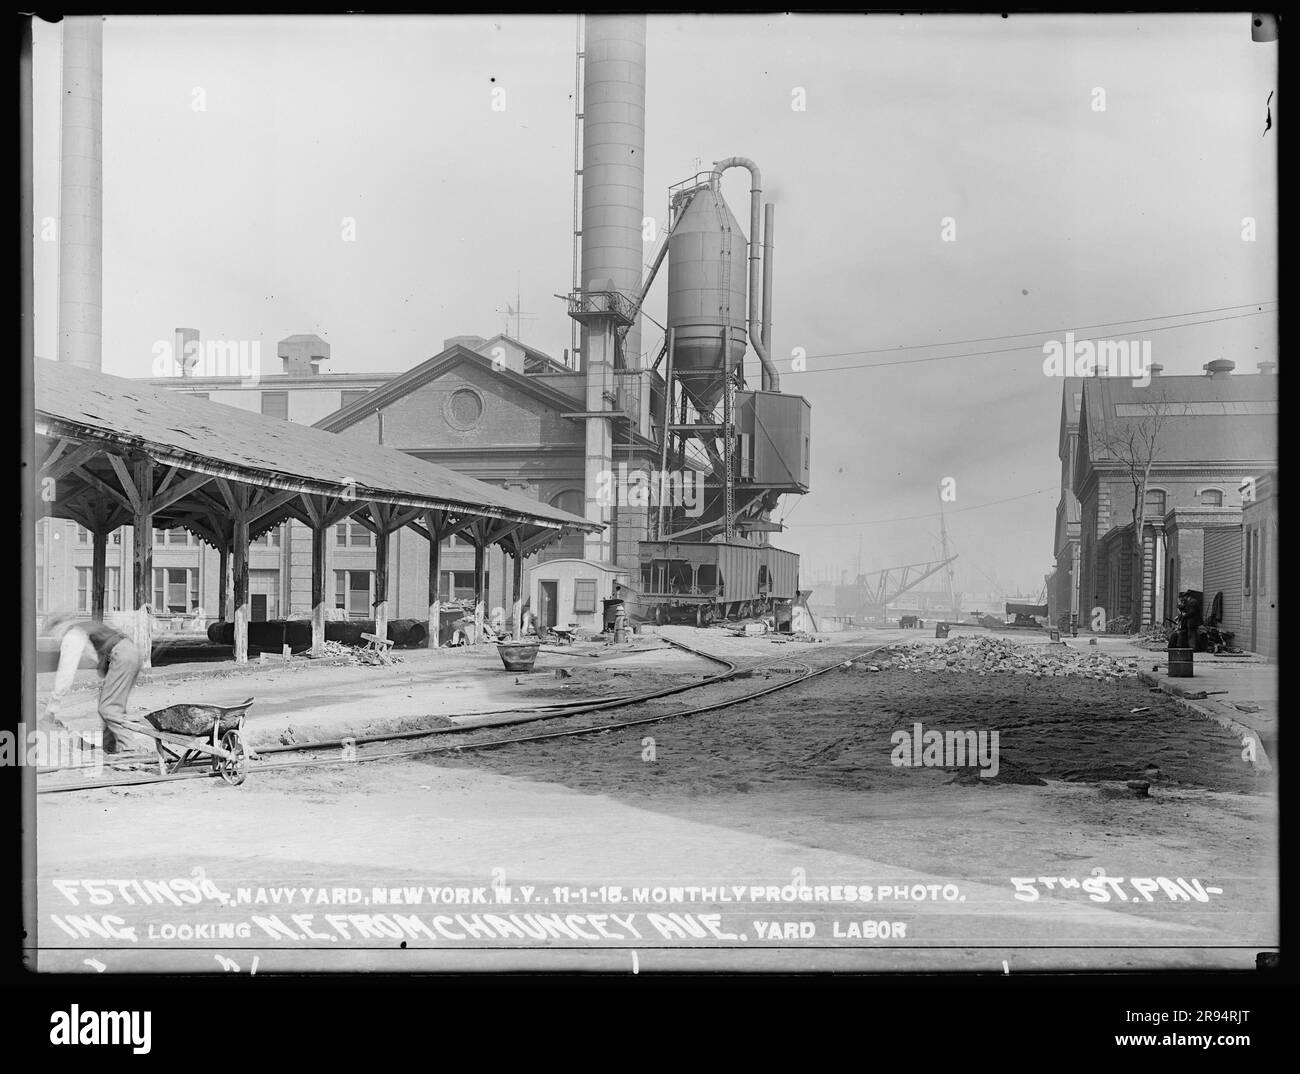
<point x="301" y="353"/>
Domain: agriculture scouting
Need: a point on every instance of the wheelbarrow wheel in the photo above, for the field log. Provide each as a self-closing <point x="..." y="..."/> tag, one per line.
<point x="235" y="768"/>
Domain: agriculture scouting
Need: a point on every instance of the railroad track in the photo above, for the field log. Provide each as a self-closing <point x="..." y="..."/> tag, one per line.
<point x="355" y="749"/>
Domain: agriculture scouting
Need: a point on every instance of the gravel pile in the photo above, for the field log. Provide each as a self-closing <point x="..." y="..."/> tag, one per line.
<point x="987" y="656"/>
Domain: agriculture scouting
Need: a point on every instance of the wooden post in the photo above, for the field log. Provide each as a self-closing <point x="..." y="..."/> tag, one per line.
<point x="241" y="586"/>
<point x="517" y="582"/>
<point x="98" y="573"/>
<point x="382" y="539"/>
<point x="435" y="568"/>
<point x="142" y="560"/>
<point x="319" y="535"/>
<point x="480" y="566"/>
<point x="223" y="582"/>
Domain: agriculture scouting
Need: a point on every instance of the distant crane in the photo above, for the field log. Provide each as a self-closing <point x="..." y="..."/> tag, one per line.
<point x="871" y="593"/>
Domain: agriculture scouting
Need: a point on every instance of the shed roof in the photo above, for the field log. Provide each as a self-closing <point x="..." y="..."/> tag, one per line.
<point x="210" y="438"/>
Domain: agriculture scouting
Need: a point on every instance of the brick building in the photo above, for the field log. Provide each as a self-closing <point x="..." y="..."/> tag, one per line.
<point x="1062" y="593"/>
<point x="492" y="408"/>
<point x="1211" y="432"/>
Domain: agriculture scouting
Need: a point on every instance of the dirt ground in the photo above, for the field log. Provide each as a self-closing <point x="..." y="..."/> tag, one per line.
<point x="836" y="732"/>
<point x="1053" y="863"/>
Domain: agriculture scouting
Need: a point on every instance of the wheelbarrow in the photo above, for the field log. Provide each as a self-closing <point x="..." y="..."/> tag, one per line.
<point x="186" y="734"/>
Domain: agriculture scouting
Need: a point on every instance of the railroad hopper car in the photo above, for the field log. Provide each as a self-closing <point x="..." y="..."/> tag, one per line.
<point x="699" y="581"/>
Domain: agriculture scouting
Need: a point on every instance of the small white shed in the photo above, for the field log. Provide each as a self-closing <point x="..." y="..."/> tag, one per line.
<point x="569" y="592"/>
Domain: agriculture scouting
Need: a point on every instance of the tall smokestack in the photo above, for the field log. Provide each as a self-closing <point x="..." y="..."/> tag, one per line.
<point x="81" y="193"/>
<point x="613" y="159"/>
<point x="613" y="200"/>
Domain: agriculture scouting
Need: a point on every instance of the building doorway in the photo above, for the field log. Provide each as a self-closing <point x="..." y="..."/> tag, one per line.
<point x="548" y="603"/>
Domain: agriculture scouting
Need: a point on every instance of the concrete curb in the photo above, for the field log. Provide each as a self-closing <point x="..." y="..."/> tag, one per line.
<point x="1261" y="760"/>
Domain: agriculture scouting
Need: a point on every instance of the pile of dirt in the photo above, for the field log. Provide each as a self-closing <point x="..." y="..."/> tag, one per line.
<point x="984" y="655"/>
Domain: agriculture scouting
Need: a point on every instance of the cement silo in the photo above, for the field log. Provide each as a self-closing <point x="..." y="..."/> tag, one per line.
<point x="706" y="289"/>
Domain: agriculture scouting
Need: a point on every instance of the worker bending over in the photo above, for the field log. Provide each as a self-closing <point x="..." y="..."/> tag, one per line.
<point x="116" y="659"/>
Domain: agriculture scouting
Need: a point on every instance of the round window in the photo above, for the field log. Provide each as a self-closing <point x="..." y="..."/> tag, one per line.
<point x="464" y="408"/>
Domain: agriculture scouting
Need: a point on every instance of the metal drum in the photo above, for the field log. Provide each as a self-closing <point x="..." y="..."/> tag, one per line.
<point x="1180" y="663"/>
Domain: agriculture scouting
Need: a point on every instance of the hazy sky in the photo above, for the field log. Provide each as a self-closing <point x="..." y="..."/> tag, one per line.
<point x="230" y="219"/>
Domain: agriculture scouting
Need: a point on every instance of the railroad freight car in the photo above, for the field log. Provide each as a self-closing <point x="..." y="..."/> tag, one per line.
<point x="699" y="581"/>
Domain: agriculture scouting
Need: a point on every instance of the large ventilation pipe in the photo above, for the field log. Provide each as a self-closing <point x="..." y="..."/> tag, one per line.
<point x="768" y="213"/>
<point x="81" y="193"/>
<point x="770" y="380"/>
<point x="613" y="204"/>
<point x="613" y="160"/>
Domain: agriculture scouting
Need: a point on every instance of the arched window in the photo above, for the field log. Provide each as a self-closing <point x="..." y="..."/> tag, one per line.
<point x="1211" y="497"/>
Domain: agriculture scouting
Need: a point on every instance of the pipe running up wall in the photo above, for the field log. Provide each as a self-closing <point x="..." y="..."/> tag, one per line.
<point x="768" y="213"/>
<point x="758" y="331"/>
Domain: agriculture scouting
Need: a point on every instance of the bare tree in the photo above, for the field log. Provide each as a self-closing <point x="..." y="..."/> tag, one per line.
<point x="1134" y="443"/>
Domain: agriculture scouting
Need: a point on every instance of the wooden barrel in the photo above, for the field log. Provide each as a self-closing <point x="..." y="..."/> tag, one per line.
<point x="1180" y="663"/>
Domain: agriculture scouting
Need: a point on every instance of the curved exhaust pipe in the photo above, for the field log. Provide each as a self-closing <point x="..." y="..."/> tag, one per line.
<point x="758" y="299"/>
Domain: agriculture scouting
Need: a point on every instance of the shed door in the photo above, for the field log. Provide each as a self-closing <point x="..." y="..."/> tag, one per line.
<point x="548" y="601"/>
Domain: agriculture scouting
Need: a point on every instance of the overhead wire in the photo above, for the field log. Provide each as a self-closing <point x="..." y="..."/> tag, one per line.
<point x="986" y="353"/>
<point x="930" y="514"/>
<point x="1047" y="331"/>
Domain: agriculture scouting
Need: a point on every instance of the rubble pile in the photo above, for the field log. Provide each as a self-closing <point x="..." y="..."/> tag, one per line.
<point x="986" y="656"/>
<point x="355" y="654"/>
<point x="332" y="648"/>
<point x="1153" y="639"/>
